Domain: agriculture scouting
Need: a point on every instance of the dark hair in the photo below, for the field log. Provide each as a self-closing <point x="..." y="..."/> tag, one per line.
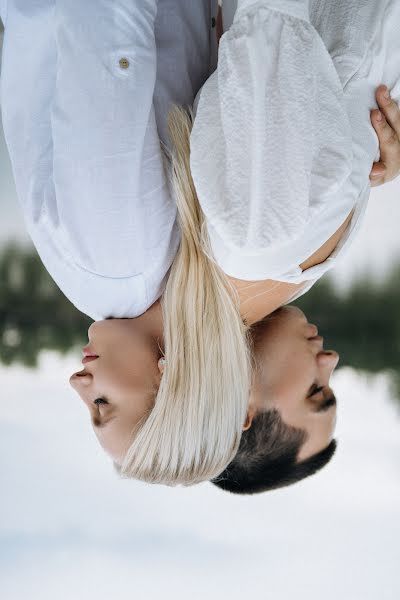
<point x="266" y="459"/>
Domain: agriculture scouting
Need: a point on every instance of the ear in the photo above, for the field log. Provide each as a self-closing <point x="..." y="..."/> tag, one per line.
<point x="249" y="419"/>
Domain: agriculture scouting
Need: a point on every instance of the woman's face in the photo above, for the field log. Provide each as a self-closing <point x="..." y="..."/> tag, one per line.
<point x="126" y="375"/>
<point x="294" y="377"/>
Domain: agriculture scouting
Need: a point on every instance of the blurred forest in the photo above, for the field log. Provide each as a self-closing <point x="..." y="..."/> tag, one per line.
<point x="363" y="325"/>
<point x="34" y="314"/>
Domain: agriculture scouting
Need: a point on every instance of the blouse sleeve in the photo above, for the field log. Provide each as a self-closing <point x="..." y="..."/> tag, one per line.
<point x="271" y="139"/>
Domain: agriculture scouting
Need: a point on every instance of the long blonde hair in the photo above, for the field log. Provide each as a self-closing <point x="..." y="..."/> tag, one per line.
<point x="194" y="429"/>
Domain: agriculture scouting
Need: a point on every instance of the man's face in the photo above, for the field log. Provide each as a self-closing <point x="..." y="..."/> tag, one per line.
<point x="293" y="376"/>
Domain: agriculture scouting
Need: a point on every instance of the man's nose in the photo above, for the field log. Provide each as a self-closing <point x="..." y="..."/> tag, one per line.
<point x="329" y="359"/>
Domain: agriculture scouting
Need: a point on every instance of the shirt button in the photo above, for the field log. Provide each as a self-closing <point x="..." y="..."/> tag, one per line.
<point x="124" y="63"/>
<point x="213" y="22"/>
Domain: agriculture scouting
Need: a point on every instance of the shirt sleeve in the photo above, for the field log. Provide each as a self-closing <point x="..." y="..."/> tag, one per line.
<point x="114" y="210"/>
<point x="79" y="123"/>
<point x="271" y="141"/>
<point x="3" y="11"/>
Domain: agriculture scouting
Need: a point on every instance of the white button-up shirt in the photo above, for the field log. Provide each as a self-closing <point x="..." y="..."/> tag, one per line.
<point x="86" y="86"/>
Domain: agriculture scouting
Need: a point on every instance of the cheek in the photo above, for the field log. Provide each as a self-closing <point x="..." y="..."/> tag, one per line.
<point x="287" y="365"/>
<point x="291" y="382"/>
<point x="288" y="392"/>
<point x="320" y="430"/>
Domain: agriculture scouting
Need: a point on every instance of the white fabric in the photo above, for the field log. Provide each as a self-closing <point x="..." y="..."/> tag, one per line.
<point x="84" y="134"/>
<point x="283" y="144"/>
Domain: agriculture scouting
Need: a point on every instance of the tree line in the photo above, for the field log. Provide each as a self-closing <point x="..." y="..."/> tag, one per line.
<point x="362" y="324"/>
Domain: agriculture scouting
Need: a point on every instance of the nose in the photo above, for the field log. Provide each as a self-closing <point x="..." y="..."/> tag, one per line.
<point x="312" y="330"/>
<point x="79" y="380"/>
<point x="329" y="359"/>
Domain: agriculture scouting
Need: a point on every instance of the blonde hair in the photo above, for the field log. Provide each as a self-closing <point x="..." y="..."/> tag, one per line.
<point x="194" y="429"/>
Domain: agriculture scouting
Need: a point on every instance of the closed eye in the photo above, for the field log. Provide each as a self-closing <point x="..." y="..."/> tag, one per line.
<point x="100" y="401"/>
<point x="314" y="390"/>
<point x="327" y="403"/>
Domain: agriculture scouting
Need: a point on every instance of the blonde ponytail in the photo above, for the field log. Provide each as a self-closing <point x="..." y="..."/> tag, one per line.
<point x="195" y="426"/>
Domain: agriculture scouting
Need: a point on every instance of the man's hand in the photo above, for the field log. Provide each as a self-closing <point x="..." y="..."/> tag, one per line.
<point x="388" y="132"/>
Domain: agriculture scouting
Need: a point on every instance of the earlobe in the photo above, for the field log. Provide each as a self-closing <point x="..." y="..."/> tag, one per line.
<point x="248" y="422"/>
<point x="161" y="365"/>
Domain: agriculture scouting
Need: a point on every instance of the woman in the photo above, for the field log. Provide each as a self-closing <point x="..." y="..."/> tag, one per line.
<point x="83" y="133"/>
<point x="193" y="436"/>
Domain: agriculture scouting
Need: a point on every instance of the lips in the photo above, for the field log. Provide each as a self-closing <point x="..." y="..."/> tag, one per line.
<point x="88" y="359"/>
<point x="319" y="340"/>
<point x="313" y="331"/>
<point x="88" y="354"/>
<point x="87" y="351"/>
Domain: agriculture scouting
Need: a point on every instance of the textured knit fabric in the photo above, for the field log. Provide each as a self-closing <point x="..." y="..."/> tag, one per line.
<point x="86" y="86"/>
<point x="283" y="144"/>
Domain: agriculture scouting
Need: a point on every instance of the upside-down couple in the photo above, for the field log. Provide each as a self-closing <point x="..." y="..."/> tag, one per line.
<point x="182" y="190"/>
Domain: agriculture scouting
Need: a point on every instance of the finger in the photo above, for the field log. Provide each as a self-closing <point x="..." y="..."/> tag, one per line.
<point x="389" y="107"/>
<point x="376" y="182"/>
<point x="377" y="178"/>
<point x="378" y="174"/>
<point x="389" y="141"/>
<point x="378" y="169"/>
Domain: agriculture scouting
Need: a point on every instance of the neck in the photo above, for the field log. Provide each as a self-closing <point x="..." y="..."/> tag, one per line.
<point x="261" y="298"/>
<point x="257" y="300"/>
<point x="152" y="322"/>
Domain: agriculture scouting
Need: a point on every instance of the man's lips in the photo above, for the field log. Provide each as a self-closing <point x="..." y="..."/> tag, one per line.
<point x="313" y="331"/>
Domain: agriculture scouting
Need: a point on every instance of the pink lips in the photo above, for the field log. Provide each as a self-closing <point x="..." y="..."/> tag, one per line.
<point x="88" y="355"/>
<point x="88" y="359"/>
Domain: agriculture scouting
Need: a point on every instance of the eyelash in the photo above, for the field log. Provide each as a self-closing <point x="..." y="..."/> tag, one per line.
<point x="317" y="390"/>
<point x="100" y="401"/>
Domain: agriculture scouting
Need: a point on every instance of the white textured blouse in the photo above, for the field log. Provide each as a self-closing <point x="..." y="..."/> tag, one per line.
<point x="282" y="144"/>
<point x="86" y="86"/>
